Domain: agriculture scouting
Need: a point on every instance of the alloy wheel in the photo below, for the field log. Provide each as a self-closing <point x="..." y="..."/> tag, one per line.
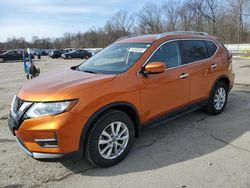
<point x="113" y="140"/>
<point x="220" y="98"/>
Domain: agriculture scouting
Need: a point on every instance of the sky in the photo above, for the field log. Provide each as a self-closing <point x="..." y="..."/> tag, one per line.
<point x="52" y="18"/>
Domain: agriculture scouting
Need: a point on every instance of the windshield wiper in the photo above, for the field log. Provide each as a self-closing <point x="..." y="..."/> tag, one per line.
<point x="89" y="71"/>
<point x="77" y="68"/>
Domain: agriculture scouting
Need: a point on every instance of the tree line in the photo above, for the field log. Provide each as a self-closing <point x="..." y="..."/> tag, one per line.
<point x="229" y="20"/>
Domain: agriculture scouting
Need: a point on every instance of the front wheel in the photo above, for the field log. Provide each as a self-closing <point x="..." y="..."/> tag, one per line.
<point x="110" y="139"/>
<point x="218" y="99"/>
<point x="1" y="60"/>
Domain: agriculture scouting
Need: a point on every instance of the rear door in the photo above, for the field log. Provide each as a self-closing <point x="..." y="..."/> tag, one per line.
<point x="201" y="67"/>
<point x="78" y="53"/>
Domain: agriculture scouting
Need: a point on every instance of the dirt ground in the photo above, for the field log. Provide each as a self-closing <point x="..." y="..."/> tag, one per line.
<point x="195" y="150"/>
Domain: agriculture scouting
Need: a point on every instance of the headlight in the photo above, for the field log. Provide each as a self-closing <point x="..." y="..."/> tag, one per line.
<point x="231" y="66"/>
<point x="49" y="108"/>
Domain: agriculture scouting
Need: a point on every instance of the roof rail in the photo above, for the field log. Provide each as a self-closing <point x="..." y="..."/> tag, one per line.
<point x="125" y="37"/>
<point x="180" y="32"/>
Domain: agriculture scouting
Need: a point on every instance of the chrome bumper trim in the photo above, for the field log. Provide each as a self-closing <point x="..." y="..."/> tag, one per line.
<point x="47" y="155"/>
<point x="37" y="155"/>
<point x="24" y="148"/>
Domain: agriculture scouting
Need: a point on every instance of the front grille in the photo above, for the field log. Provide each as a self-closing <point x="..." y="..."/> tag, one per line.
<point x="18" y="110"/>
<point x="17" y="105"/>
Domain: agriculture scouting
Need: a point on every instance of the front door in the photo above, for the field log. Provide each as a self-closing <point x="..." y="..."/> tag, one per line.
<point x="167" y="91"/>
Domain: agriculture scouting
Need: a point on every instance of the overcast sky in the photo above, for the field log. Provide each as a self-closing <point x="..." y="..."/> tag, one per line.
<point x="52" y="18"/>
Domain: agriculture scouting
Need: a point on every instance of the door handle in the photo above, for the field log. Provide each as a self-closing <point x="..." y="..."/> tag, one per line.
<point x="184" y="75"/>
<point x="213" y="66"/>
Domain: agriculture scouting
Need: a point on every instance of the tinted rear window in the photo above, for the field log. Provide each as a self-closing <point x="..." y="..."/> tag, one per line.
<point x="194" y="50"/>
<point x="211" y="48"/>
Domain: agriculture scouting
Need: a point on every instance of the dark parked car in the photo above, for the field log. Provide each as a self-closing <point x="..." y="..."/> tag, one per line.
<point x="77" y="54"/>
<point x="13" y="55"/>
<point x="55" y="54"/>
<point x="40" y="52"/>
<point x="95" y="52"/>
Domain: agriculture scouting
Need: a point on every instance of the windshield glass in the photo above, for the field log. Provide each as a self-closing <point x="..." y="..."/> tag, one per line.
<point x="116" y="58"/>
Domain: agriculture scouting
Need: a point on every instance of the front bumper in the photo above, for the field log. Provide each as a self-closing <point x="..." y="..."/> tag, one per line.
<point x="61" y="132"/>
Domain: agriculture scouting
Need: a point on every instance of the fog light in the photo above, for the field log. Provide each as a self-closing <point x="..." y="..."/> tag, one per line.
<point x="47" y="143"/>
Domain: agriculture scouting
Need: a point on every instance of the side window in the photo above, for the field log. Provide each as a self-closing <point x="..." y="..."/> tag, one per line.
<point x="194" y="50"/>
<point x="169" y="54"/>
<point x="12" y="53"/>
<point x="211" y="48"/>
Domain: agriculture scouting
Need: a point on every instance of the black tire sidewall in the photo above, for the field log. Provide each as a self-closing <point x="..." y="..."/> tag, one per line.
<point x="92" y="143"/>
<point x="212" y="105"/>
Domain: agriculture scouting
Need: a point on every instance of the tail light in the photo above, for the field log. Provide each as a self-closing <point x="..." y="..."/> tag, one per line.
<point x="230" y="57"/>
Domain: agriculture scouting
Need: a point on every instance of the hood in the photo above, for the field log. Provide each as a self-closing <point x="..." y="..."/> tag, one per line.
<point x="60" y="85"/>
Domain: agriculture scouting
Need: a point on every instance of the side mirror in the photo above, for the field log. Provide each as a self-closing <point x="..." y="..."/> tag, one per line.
<point x="155" y="68"/>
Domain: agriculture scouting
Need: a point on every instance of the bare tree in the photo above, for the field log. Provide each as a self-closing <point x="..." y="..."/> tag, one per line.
<point x="120" y="24"/>
<point x="171" y="10"/>
<point x="230" y="22"/>
<point x="186" y="15"/>
<point x="206" y="9"/>
<point x="150" y="20"/>
<point x="241" y="9"/>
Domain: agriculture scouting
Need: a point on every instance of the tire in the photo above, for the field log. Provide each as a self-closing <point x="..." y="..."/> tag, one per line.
<point x="219" y="94"/>
<point x="69" y="57"/>
<point x="123" y="143"/>
<point x="1" y="60"/>
<point x="87" y="57"/>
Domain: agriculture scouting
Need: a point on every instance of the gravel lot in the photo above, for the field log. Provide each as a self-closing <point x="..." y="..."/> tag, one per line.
<point x="196" y="150"/>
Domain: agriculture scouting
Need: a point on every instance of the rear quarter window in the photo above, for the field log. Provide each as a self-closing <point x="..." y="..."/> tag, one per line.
<point x="194" y="50"/>
<point x="211" y="48"/>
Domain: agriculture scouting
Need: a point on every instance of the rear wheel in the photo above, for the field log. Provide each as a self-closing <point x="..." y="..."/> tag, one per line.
<point x="110" y="139"/>
<point x="218" y="99"/>
<point x="87" y="57"/>
<point x="1" y="60"/>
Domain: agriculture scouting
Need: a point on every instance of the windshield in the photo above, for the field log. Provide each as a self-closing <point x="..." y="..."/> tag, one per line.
<point x="116" y="58"/>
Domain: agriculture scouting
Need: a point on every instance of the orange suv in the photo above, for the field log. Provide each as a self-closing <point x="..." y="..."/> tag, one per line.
<point x="100" y="106"/>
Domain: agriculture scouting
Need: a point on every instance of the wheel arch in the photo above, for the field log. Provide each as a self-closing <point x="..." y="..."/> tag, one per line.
<point x="125" y="107"/>
<point x="223" y="78"/>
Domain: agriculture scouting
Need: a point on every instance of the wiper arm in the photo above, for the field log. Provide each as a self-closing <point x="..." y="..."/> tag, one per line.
<point x="89" y="71"/>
